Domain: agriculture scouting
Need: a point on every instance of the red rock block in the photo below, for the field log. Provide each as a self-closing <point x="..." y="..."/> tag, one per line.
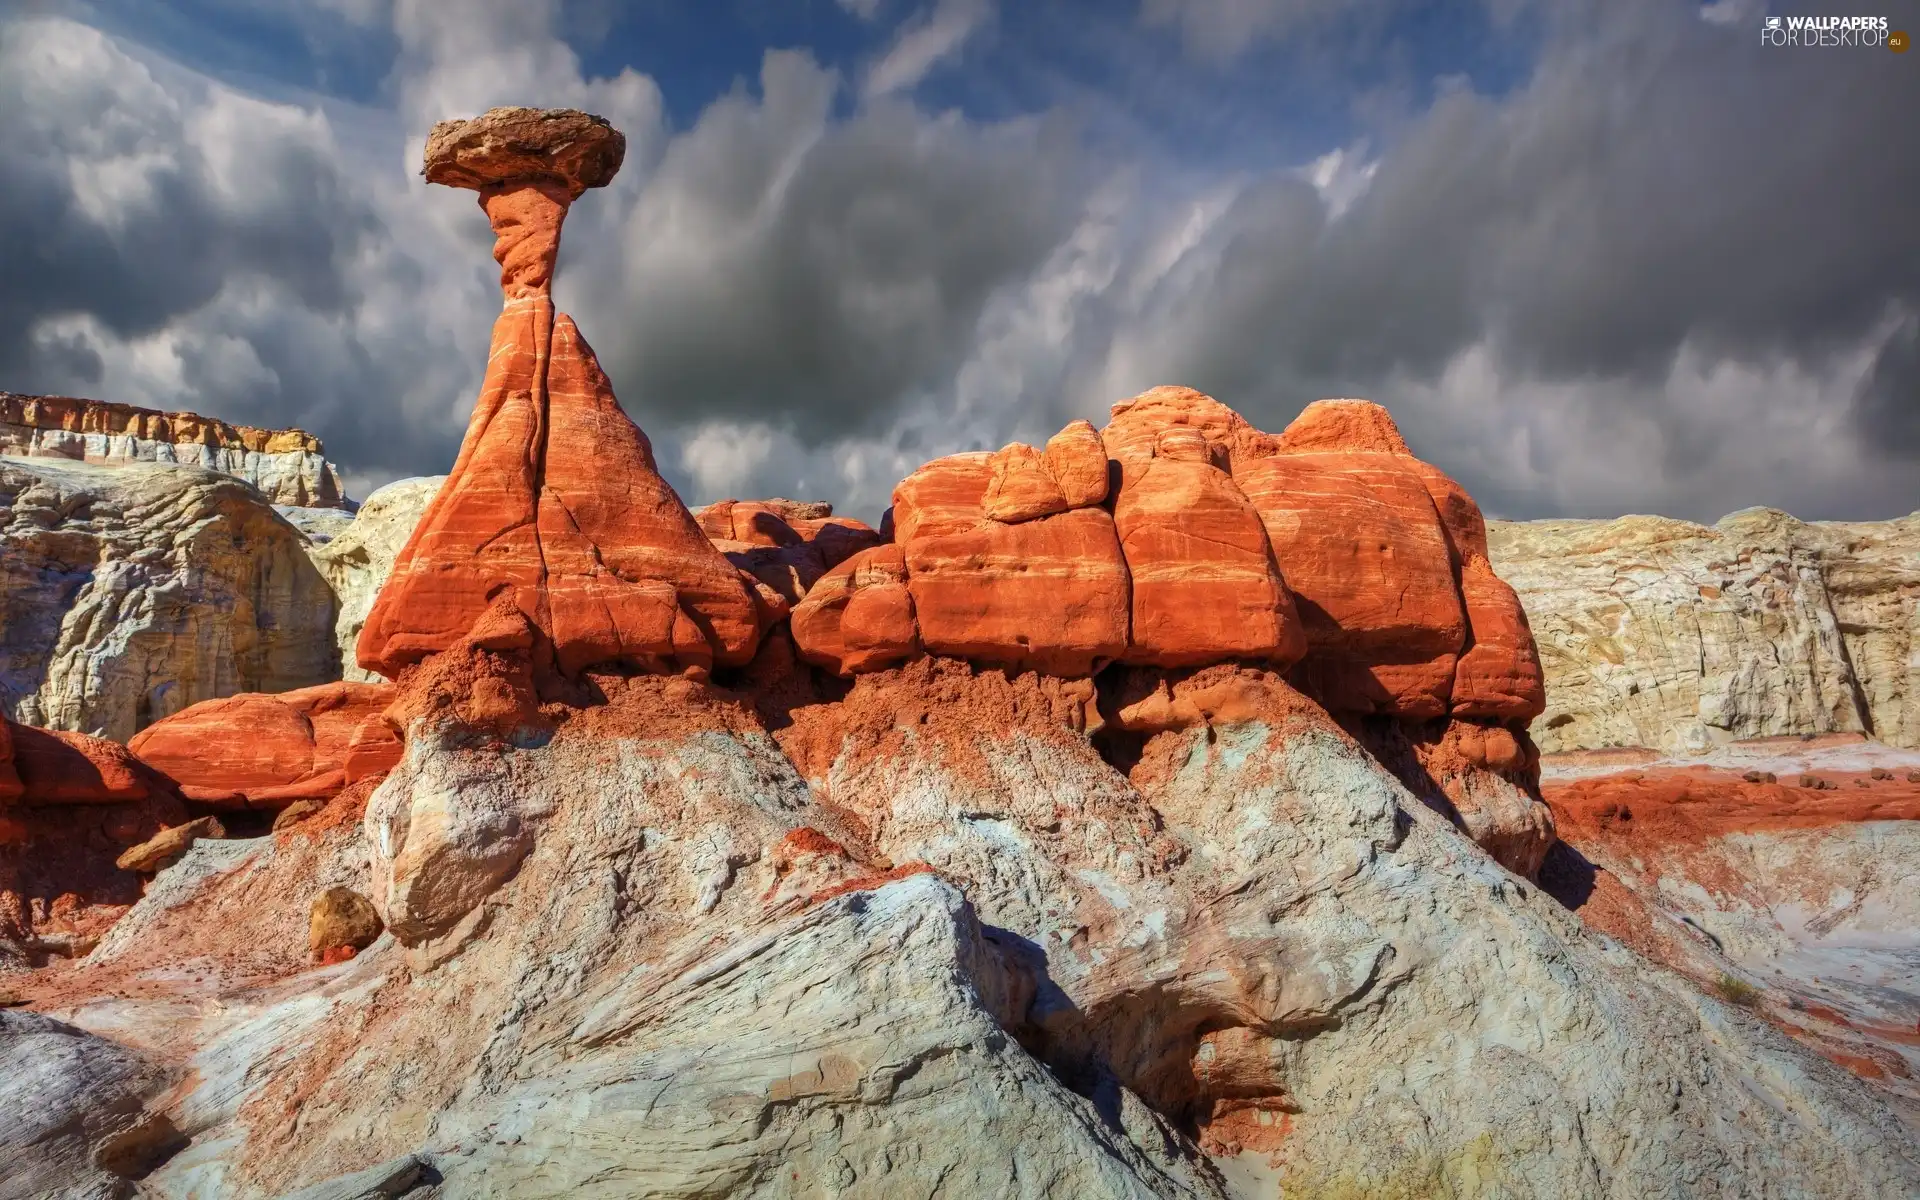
<point x="945" y="496"/>
<point x="600" y="480"/>
<point x="1205" y="588"/>
<point x="859" y="617"/>
<point x="57" y="768"/>
<point x="1358" y="539"/>
<point x="1499" y="674"/>
<point x="1136" y="426"/>
<point x="750" y="521"/>
<point x="1346" y="426"/>
<point x="477" y="538"/>
<point x="1077" y="459"/>
<point x="10" y="786"/>
<point x="1019" y="486"/>
<point x="1049" y="595"/>
<point x="266" y="751"/>
<point x="837" y="538"/>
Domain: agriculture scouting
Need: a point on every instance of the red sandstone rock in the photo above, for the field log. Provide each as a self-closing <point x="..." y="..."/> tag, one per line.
<point x="56" y="767"/>
<point x="555" y="500"/>
<point x="748" y="521"/>
<point x="1020" y="488"/>
<point x="837" y="538"/>
<point x="10" y="786"/>
<point x="1205" y="588"/>
<point x="1077" y="459"/>
<point x="1357" y="537"/>
<point x="1049" y="595"/>
<point x="267" y="751"/>
<point x="1499" y="674"/>
<point x="1136" y="426"/>
<point x="859" y="617"/>
<point x="944" y="496"/>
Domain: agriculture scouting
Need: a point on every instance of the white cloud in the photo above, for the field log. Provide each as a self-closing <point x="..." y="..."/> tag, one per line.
<point x="724" y="456"/>
<point x="924" y="43"/>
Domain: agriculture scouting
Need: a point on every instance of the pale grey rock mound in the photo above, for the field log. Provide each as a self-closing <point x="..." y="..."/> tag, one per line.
<point x="966" y="957"/>
<point x="319" y="525"/>
<point x="288" y="465"/>
<point x="74" y="1120"/>
<point x="357" y="558"/>
<point x="1270" y="939"/>
<point x="1681" y="637"/>
<point x="128" y="592"/>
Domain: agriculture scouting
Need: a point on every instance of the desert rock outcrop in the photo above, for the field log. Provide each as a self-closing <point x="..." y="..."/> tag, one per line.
<point x="358" y="560"/>
<point x="267" y="751"/>
<point x="129" y="592"/>
<point x="554" y="498"/>
<point x="288" y="466"/>
<point x="987" y="868"/>
<point x="1680" y="637"/>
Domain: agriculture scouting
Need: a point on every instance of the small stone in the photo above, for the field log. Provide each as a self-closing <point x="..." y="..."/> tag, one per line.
<point x="163" y="849"/>
<point x="1882" y="773"/>
<point x="341" y="919"/>
<point x="295" y="813"/>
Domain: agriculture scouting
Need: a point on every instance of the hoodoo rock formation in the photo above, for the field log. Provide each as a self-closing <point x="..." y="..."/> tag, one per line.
<point x="1148" y="814"/>
<point x="288" y="465"/>
<point x="554" y="498"/>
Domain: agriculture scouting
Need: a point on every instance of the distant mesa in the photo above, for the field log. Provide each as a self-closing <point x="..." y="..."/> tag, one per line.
<point x="288" y="465"/>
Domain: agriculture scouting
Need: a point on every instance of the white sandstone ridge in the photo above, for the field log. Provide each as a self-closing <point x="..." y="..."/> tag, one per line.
<point x="289" y="465"/>
<point x="357" y="558"/>
<point x="129" y="592"/>
<point x="1682" y="637"/>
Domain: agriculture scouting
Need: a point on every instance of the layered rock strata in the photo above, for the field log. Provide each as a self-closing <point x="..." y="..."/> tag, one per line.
<point x="129" y="592"/>
<point x="287" y="465"/>
<point x="1681" y="637"/>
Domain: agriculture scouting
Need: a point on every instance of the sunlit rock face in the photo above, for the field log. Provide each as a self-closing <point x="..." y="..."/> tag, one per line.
<point x="130" y="591"/>
<point x="1681" y="637"/>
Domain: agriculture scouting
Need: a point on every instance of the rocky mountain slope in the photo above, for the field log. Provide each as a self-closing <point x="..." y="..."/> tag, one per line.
<point x="1680" y="637"/>
<point x="1151" y="813"/>
<point x="288" y="466"/>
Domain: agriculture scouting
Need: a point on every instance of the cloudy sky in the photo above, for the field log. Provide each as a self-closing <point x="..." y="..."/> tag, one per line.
<point x="1598" y="256"/>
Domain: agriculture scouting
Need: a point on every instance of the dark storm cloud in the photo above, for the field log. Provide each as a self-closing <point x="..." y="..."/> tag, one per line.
<point x="785" y="266"/>
<point x="1666" y="269"/>
<point x="1660" y="185"/>
<point x="219" y="244"/>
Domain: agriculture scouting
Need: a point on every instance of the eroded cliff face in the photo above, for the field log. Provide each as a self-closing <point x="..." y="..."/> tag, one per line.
<point x="132" y="591"/>
<point x="1666" y="634"/>
<point x="287" y="465"/>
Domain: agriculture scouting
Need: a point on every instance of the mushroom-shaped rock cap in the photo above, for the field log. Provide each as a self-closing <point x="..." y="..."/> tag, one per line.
<point x="503" y="144"/>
